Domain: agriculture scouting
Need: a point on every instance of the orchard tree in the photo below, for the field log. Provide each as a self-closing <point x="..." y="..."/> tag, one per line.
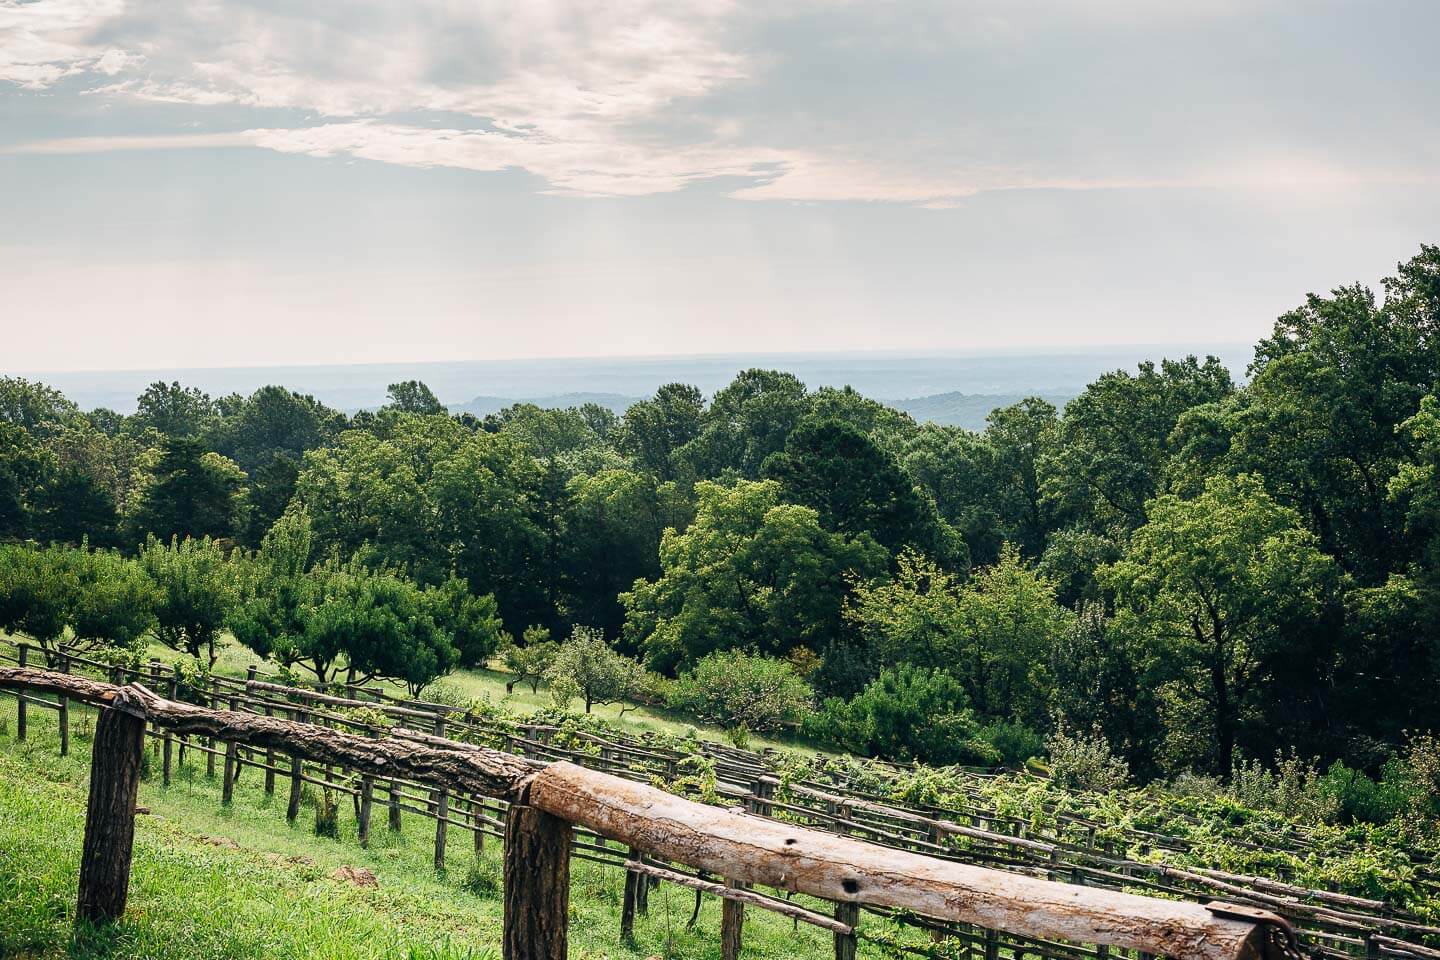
<point x="472" y="621"/>
<point x="1218" y="586"/>
<point x="197" y="592"/>
<point x="38" y="592"/>
<point x="588" y="667"/>
<point x="529" y="660"/>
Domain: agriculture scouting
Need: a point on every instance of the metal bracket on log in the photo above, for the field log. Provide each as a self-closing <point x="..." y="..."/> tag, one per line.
<point x="1281" y="940"/>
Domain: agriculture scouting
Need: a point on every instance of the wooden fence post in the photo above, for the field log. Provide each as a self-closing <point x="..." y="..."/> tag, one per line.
<point x="212" y="702"/>
<point x="732" y="922"/>
<point x="168" y="756"/>
<point x="297" y="772"/>
<point x="64" y="712"/>
<point x="537" y="885"/>
<point x="395" y="805"/>
<point x="367" y="791"/>
<point x="633" y="882"/>
<point x="23" y="650"/>
<point x="110" y="814"/>
<point x="232" y="763"/>
<point x="477" y="815"/>
<point x="442" y="808"/>
<point x="846" y="913"/>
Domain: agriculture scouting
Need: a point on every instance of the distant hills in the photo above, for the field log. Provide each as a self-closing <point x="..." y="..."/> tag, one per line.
<point x="968" y="410"/>
<point x="942" y="387"/>
<point x="483" y="406"/>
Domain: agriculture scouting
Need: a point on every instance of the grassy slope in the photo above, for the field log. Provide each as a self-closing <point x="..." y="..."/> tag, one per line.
<point x="235" y="659"/>
<point x="217" y="883"/>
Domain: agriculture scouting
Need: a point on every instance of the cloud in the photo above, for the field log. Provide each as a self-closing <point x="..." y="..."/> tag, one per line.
<point x="43" y="42"/>
<point x="636" y="97"/>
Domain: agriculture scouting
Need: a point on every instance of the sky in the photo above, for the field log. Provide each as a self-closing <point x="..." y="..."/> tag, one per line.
<point x="190" y="183"/>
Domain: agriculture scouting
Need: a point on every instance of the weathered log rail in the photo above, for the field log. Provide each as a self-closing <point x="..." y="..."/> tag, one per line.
<point x="545" y="803"/>
<point x="1331" y="924"/>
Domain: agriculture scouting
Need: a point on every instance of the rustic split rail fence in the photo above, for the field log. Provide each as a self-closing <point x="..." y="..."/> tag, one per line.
<point x="544" y="803"/>
<point x="971" y="877"/>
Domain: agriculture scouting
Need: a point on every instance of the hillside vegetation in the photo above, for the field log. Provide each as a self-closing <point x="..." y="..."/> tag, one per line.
<point x="1178" y="578"/>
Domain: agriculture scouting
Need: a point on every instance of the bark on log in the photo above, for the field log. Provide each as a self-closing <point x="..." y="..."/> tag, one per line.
<point x="753" y="850"/>
<point x="537" y="885"/>
<point x="110" y="813"/>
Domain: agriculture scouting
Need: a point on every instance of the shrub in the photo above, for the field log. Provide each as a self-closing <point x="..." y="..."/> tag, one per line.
<point x="906" y="713"/>
<point x="740" y="690"/>
<point x="1014" y="742"/>
<point x="1079" y="762"/>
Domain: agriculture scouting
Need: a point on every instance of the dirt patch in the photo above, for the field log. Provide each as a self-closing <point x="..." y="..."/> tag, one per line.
<point x="359" y="876"/>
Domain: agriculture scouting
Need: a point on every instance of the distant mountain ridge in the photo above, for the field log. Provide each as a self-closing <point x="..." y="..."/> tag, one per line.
<point x="969" y="410"/>
<point x="484" y="405"/>
<point x="943" y="387"/>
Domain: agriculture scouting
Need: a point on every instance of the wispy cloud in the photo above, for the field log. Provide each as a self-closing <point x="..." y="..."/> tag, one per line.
<point x="635" y="97"/>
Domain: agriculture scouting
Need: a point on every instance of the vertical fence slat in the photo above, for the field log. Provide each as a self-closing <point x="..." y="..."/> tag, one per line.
<point x="442" y="808"/>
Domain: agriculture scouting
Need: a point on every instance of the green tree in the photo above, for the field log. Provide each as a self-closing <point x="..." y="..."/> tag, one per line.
<point x="39" y="589"/>
<point x="412" y="396"/>
<point x="749" y="572"/>
<point x="37" y="409"/>
<point x="1213" y="583"/>
<point x="472" y="622"/>
<point x="856" y="488"/>
<point x="653" y="430"/>
<point x="747" y="422"/>
<point x="588" y="667"/>
<point x="614" y="523"/>
<point x="1116" y="437"/>
<point x="190" y="492"/>
<point x="197" y="591"/>
<point x="274" y="422"/>
<point x="529" y="660"/>
<point x="173" y="411"/>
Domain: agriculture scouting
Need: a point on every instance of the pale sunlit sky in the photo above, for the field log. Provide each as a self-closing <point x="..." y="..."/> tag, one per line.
<point x="281" y="181"/>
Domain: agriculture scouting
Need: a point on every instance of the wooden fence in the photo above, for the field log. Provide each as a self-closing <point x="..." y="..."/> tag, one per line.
<point x="1330" y="923"/>
<point x="545" y="804"/>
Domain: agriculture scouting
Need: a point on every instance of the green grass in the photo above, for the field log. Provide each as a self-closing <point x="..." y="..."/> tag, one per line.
<point x="240" y="882"/>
